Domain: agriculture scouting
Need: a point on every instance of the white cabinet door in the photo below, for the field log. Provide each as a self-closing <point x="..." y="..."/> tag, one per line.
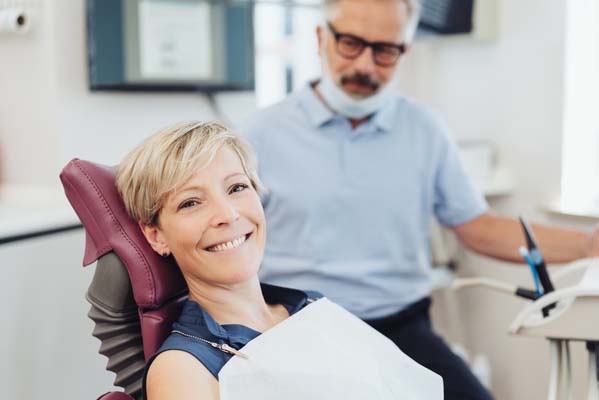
<point x="45" y="336"/>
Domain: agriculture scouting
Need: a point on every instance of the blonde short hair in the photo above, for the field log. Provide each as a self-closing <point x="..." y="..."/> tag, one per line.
<point x="167" y="159"/>
<point x="413" y="12"/>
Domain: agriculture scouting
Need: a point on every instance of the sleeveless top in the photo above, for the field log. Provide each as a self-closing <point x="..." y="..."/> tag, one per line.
<point x="195" y="324"/>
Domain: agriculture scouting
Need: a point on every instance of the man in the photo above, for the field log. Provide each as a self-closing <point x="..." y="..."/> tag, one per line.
<point x="355" y="172"/>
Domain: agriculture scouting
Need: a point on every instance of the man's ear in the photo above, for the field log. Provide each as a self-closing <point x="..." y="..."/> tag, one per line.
<point x="155" y="237"/>
<point x="320" y="36"/>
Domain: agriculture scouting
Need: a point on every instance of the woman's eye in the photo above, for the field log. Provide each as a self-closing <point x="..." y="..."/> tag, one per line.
<point x="188" y="203"/>
<point x="238" y="187"/>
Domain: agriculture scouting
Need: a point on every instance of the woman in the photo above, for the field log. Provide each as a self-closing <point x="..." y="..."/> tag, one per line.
<point x="194" y="190"/>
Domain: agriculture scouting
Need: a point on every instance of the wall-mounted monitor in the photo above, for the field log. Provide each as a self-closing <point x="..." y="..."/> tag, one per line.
<point x="170" y="45"/>
<point x="446" y="16"/>
<point x="467" y="18"/>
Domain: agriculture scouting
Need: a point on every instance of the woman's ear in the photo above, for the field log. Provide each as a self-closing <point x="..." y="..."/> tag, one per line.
<point x="155" y="237"/>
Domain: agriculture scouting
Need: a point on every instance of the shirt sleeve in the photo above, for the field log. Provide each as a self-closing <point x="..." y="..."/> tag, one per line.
<point x="456" y="199"/>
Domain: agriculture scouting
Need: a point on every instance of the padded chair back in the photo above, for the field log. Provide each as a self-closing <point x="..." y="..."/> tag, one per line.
<point x="135" y="294"/>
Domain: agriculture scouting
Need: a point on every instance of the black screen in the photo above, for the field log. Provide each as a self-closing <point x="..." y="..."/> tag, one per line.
<point x="446" y="16"/>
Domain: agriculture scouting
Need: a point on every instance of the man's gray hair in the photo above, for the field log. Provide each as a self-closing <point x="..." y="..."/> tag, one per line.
<point x="413" y="12"/>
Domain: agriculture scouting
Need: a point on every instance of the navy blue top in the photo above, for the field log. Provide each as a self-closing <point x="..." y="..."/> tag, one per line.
<point x="195" y="321"/>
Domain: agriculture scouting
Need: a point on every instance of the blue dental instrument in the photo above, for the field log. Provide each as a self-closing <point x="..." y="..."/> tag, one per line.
<point x="538" y="262"/>
<point x="526" y="255"/>
<point x="537" y="257"/>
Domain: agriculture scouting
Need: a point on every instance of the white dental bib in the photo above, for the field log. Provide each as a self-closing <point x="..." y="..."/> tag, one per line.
<point x="325" y="352"/>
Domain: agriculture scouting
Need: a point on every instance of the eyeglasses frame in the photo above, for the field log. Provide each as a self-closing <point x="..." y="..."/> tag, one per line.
<point x="402" y="47"/>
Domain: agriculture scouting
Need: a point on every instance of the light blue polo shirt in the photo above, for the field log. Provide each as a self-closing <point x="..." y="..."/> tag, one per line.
<point x="349" y="212"/>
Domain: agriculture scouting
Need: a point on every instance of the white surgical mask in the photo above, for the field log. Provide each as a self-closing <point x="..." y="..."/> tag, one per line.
<point x="344" y="104"/>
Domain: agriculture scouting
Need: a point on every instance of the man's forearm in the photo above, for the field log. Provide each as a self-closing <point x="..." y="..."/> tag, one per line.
<point x="501" y="237"/>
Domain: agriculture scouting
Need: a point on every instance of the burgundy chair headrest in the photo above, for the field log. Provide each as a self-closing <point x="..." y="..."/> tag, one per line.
<point x="92" y="192"/>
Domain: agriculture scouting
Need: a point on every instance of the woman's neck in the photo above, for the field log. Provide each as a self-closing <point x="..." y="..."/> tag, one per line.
<point x="241" y="303"/>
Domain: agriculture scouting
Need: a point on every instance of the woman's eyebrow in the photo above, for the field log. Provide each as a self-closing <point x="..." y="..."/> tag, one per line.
<point x="200" y="188"/>
<point x="234" y="174"/>
<point x="194" y="188"/>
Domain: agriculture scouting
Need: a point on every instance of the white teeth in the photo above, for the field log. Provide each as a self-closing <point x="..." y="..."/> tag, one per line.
<point x="228" y="245"/>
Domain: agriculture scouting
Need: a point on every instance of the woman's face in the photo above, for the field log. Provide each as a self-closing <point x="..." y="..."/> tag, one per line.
<point x="213" y="224"/>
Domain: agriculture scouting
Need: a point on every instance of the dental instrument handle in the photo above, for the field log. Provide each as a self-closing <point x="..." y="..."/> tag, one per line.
<point x="527" y="293"/>
<point x="541" y="268"/>
<point x="535" y="277"/>
<point x="537" y="257"/>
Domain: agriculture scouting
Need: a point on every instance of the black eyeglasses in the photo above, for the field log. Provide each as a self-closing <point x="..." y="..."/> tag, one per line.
<point x="350" y="46"/>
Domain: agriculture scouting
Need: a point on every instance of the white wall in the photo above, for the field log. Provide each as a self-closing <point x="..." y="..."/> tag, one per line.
<point x="28" y="144"/>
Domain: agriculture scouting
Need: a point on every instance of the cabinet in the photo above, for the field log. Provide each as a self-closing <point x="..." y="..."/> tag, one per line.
<point x="45" y="340"/>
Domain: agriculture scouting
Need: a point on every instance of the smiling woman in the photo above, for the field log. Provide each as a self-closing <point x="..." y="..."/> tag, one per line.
<point x="193" y="188"/>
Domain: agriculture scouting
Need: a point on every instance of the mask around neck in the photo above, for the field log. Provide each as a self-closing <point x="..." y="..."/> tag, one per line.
<point x="345" y="105"/>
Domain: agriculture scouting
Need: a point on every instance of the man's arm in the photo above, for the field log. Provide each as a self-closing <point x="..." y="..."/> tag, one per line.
<point x="501" y="237"/>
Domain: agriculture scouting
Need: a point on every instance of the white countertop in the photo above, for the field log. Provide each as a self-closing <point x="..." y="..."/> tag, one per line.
<point x="26" y="210"/>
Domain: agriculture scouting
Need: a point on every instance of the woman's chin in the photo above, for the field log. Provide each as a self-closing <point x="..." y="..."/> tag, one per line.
<point x="241" y="276"/>
<point x="232" y="272"/>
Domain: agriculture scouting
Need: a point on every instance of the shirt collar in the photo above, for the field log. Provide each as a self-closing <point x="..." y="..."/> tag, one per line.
<point x="385" y="117"/>
<point x="319" y="114"/>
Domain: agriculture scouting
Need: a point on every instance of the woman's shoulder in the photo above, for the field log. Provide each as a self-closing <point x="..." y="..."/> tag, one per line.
<point x="178" y="359"/>
<point x="202" y="351"/>
<point x="178" y="374"/>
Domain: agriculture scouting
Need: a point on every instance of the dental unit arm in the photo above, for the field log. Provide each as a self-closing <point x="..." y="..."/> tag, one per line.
<point x="573" y="316"/>
<point x="560" y="315"/>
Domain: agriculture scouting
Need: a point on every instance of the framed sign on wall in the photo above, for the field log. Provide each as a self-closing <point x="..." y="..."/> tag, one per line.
<point x="170" y="45"/>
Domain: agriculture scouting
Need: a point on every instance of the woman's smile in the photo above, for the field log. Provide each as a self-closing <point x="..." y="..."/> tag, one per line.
<point x="229" y="245"/>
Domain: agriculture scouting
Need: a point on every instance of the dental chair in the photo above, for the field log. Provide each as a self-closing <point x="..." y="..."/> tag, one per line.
<point x="135" y="294"/>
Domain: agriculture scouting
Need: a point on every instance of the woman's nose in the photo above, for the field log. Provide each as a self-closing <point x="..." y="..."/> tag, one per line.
<point x="225" y="212"/>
